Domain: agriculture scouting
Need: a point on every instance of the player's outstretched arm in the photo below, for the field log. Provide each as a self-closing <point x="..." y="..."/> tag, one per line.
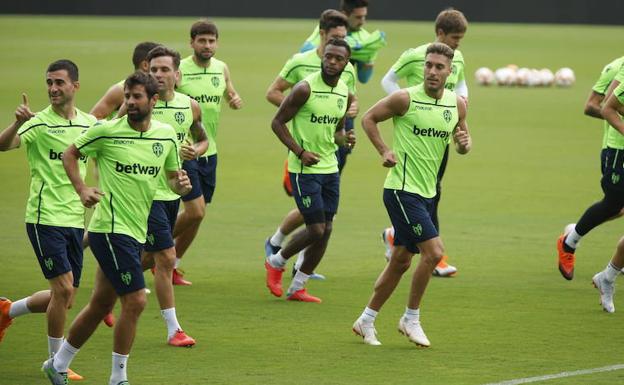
<point x="89" y="196"/>
<point x="111" y="101"/>
<point x="612" y="111"/>
<point x="190" y="151"/>
<point x="593" y="105"/>
<point x="275" y="93"/>
<point x="179" y="182"/>
<point x="234" y="99"/>
<point x="8" y="137"/>
<point x="461" y="136"/>
<point x="395" y="104"/>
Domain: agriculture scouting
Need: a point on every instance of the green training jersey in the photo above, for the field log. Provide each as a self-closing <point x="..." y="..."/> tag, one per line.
<point x="303" y="64"/>
<point x="53" y="200"/>
<point x="207" y="86"/>
<point x="420" y="139"/>
<point x="178" y="114"/>
<point x="314" y="125"/>
<point x="619" y="94"/>
<point x="611" y="137"/>
<point x="364" y="45"/>
<point x="411" y="67"/>
<point x="129" y="163"/>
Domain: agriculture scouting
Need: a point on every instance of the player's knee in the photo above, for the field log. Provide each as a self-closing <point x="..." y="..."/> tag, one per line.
<point x="134" y="303"/>
<point x="63" y="292"/>
<point x="400" y="264"/>
<point x="328" y="228"/>
<point x="434" y="256"/>
<point x="165" y="260"/>
<point x="196" y="215"/>
<point x="316" y="231"/>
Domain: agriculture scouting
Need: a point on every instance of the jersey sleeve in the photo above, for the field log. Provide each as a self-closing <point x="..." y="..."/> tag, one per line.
<point x="287" y="72"/>
<point x="619" y="93"/>
<point x="30" y="130"/>
<point x="401" y="67"/>
<point x="606" y="76"/>
<point x="88" y="143"/>
<point x="619" y="76"/>
<point x="172" y="162"/>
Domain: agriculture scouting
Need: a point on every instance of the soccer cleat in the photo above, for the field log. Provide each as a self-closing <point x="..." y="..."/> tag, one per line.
<point x="566" y="259"/>
<point x="71" y="375"/>
<point x="606" y="289"/>
<point x="274" y="279"/>
<point x="5" y="320"/>
<point x="269" y="249"/>
<point x="181" y="339"/>
<point x="109" y="320"/>
<point x="414" y="332"/>
<point x="387" y="236"/>
<point x="55" y="377"/>
<point x="177" y="278"/>
<point x="366" y="331"/>
<point x="443" y="269"/>
<point x="303" y="296"/>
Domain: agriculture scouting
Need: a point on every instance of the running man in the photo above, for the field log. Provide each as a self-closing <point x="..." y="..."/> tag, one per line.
<point x="54" y="215"/>
<point x="205" y="79"/>
<point x="317" y="106"/>
<point x="450" y="28"/>
<point x="131" y="154"/>
<point x="425" y="117"/>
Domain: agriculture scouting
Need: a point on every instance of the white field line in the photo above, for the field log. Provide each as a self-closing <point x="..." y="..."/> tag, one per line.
<point x="559" y="375"/>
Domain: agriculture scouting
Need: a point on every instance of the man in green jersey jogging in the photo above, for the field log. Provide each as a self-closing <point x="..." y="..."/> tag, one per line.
<point x="317" y="107"/>
<point x="54" y="214"/>
<point x="425" y="117"/>
<point x="450" y="28"/>
<point x="131" y="154"/>
<point x="207" y="80"/>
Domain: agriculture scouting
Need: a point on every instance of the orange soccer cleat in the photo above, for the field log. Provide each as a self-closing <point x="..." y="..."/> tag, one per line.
<point x="5" y="320"/>
<point x="566" y="259"/>
<point x="274" y="279"/>
<point x="181" y="339"/>
<point x="303" y="296"/>
<point x="443" y="269"/>
<point x="74" y="376"/>
<point x="177" y="278"/>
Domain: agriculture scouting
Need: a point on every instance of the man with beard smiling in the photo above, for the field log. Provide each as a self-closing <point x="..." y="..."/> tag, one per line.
<point x="425" y="117"/>
<point x="317" y="107"/>
<point x="205" y="79"/>
<point x="131" y="153"/>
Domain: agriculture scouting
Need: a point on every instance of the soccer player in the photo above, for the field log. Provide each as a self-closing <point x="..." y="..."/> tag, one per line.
<point x="205" y="79"/>
<point x="332" y="25"/>
<point x="317" y="107"/>
<point x="109" y="104"/>
<point x="131" y="154"/>
<point x="54" y="214"/>
<point x="612" y="203"/>
<point x="184" y="115"/>
<point x="425" y="117"/>
<point x="450" y="28"/>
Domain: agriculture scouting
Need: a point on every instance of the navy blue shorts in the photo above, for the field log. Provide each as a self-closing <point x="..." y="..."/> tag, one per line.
<point x="160" y="224"/>
<point x="58" y="249"/>
<point x="119" y="257"/>
<point x="410" y="215"/>
<point x="203" y="175"/>
<point x="316" y="196"/>
<point x="612" y="165"/>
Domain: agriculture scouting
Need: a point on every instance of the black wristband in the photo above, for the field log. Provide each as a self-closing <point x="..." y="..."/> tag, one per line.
<point x="300" y="153"/>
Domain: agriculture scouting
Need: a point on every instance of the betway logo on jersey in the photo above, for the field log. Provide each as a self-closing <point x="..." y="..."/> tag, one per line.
<point x="137" y="169"/>
<point x="323" y="119"/>
<point x="59" y="156"/>
<point x="431" y="132"/>
<point x="216" y="99"/>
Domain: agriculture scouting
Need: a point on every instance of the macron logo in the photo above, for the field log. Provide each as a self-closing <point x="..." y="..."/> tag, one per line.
<point x="325" y="119"/>
<point x="431" y="132"/>
<point x="136" y="169"/>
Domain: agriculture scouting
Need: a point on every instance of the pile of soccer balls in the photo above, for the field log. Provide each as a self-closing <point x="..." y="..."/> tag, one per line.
<point x="511" y="75"/>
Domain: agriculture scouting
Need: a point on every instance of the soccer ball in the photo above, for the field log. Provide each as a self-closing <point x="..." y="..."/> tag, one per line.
<point x="523" y="76"/>
<point x="547" y="77"/>
<point x="505" y="76"/>
<point x="484" y="76"/>
<point x="564" y="77"/>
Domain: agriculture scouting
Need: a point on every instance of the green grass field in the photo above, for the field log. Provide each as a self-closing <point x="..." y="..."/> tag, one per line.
<point x="508" y="314"/>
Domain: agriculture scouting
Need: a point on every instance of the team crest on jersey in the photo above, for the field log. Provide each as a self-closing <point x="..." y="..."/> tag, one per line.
<point x="340" y="103"/>
<point x="126" y="278"/>
<point x="49" y="263"/>
<point x="215" y="81"/>
<point x="447" y="115"/>
<point x="307" y="201"/>
<point x="157" y="148"/>
<point x="417" y="229"/>
<point x="179" y="117"/>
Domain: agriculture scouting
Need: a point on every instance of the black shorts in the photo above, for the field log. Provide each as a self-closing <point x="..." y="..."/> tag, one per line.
<point x="119" y="257"/>
<point x="203" y="175"/>
<point x="612" y="167"/>
<point x="410" y="215"/>
<point x="58" y="249"/>
<point x="316" y="196"/>
<point x="160" y="224"/>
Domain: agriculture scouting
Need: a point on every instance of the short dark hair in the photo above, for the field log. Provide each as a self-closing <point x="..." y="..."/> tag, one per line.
<point x="451" y="20"/>
<point x="330" y="18"/>
<point x="140" y="52"/>
<point x="441" y="49"/>
<point x="67" y="65"/>
<point x="339" y="43"/>
<point x="347" y="6"/>
<point x="160" y="51"/>
<point x="140" y="78"/>
<point x="204" y="27"/>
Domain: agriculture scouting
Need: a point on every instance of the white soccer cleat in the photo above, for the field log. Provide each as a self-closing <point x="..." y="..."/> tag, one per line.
<point x="607" y="290"/>
<point x="366" y="331"/>
<point x="387" y="236"/>
<point x="443" y="269"/>
<point x="414" y="332"/>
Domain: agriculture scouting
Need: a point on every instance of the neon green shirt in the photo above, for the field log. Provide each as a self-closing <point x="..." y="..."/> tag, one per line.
<point x="314" y="125"/>
<point x="207" y="86"/>
<point x="411" y="67"/>
<point x="611" y="137"/>
<point x="52" y="200"/>
<point x="420" y="139"/>
<point x="179" y="115"/>
<point x="364" y="45"/>
<point x="129" y="163"/>
<point x="303" y="64"/>
<point x="614" y="133"/>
